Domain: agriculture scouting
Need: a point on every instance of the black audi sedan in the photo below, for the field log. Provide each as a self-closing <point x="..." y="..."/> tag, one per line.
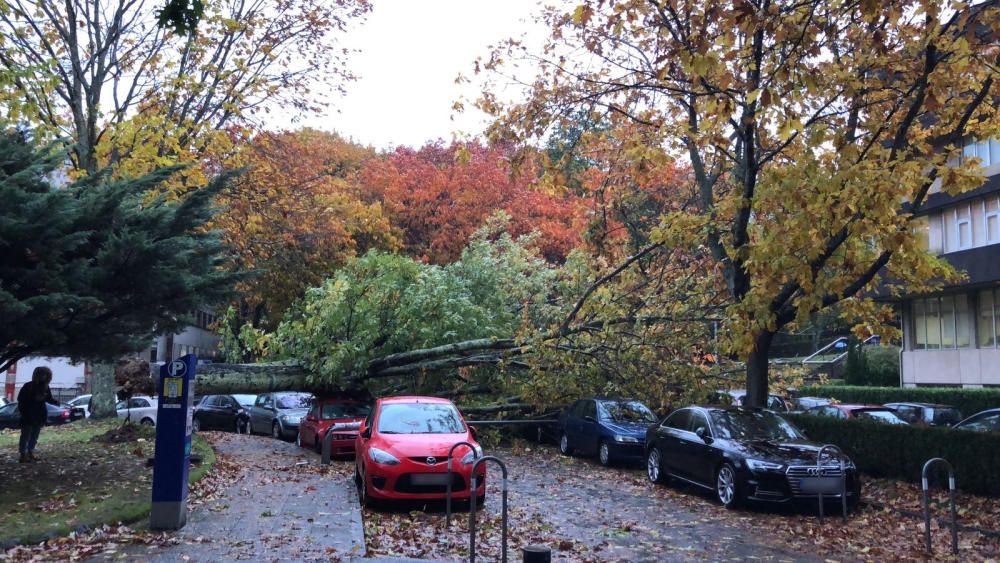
<point x="745" y="455"/>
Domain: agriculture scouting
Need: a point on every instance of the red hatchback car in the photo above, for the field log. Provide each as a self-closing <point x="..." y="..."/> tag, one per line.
<point x="323" y="414"/>
<point x="402" y="452"/>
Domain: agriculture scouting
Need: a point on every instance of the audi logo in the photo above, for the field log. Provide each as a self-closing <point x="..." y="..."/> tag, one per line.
<point x="815" y="471"/>
<point x="431" y="460"/>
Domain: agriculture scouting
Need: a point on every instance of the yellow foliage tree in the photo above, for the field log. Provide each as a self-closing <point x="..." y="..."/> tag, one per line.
<point x="814" y="131"/>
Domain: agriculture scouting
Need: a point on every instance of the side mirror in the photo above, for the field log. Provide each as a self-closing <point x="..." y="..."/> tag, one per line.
<point x="703" y="434"/>
<point x="589" y="418"/>
<point x="474" y="432"/>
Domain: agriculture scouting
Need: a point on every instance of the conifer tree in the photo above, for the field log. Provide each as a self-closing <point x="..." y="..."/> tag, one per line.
<point x="95" y="268"/>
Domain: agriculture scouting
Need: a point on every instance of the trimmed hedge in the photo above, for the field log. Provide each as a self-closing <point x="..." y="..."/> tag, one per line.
<point x="969" y="401"/>
<point x="884" y="450"/>
<point x="872" y="365"/>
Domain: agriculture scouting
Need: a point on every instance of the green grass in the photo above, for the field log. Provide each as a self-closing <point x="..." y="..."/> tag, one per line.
<point x="78" y="484"/>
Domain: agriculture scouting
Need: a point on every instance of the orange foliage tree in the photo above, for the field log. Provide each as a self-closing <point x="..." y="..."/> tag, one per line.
<point x="439" y="195"/>
<point x="294" y="217"/>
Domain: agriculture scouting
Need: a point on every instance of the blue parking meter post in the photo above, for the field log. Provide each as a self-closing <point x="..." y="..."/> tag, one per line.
<point x="173" y="444"/>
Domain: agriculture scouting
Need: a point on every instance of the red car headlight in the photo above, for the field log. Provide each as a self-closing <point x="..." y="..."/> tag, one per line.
<point x="382" y="457"/>
<point x="470" y="457"/>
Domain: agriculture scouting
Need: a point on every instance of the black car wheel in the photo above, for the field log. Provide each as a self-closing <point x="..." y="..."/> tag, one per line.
<point x="564" y="448"/>
<point x="727" y="488"/>
<point x="237" y="426"/>
<point x="196" y="425"/>
<point x="147" y="421"/>
<point x="363" y="491"/>
<point x="654" y="467"/>
<point x="604" y="453"/>
<point x="318" y="445"/>
<point x="248" y="427"/>
<point x="276" y="430"/>
<point x="298" y="440"/>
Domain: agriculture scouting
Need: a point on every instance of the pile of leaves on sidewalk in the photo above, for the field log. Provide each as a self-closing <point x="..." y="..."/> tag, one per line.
<point x="423" y="534"/>
<point x="77" y="547"/>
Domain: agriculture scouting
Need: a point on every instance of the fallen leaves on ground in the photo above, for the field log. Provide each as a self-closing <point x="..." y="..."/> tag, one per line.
<point x="129" y="471"/>
<point x="585" y="512"/>
<point x="77" y="547"/>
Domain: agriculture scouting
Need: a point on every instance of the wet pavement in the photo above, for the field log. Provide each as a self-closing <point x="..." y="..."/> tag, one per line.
<point x="284" y="507"/>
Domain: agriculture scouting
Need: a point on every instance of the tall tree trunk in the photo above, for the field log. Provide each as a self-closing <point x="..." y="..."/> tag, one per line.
<point x="102" y="388"/>
<point x="757" y="368"/>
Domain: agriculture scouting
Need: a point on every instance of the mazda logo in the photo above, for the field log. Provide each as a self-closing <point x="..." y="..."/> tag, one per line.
<point x="431" y="460"/>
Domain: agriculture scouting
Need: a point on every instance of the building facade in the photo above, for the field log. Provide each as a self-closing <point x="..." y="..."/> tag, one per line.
<point x="951" y="337"/>
<point x="199" y="339"/>
<point x="68" y="379"/>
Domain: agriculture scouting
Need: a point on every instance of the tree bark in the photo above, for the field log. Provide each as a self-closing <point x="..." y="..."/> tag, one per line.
<point x="218" y="379"/>
<point x="757" y="371"/>
<point x="102" y="390"/>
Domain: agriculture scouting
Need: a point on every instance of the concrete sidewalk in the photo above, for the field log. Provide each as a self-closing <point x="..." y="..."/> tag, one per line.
<point x="286" y="507"/>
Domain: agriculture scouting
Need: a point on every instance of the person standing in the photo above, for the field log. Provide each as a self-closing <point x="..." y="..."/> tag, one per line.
<point x="31" y="401"/>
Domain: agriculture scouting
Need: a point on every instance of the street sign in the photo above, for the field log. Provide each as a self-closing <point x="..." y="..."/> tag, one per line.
<point x="173" y="444"/>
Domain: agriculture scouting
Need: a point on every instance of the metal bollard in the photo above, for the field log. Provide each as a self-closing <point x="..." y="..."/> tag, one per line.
<point x="327" y="449"/>
<point x="447" y="498"/>
<point x="472" y="509"/>
<point x="843" y="479"/>
<point x="927" y="506"/>
<point x="536" y="554"/>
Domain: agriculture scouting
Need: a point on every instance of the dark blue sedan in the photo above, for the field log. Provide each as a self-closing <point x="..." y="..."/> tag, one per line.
<point x="611" y="429"/>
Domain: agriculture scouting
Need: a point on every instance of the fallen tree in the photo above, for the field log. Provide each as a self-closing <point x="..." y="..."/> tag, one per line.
<point x="294" y="375"/>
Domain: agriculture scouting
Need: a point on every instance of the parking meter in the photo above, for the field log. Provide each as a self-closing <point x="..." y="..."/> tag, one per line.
<point x="173" y="444"/>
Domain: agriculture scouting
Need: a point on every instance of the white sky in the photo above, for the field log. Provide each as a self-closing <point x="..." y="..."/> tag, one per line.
<point x="411" y="53"/>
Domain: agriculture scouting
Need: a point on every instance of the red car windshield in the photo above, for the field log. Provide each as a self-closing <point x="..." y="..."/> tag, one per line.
<point x="420" y="418"/>
<point x="885" y="416"/>
<point x="343" y="410"/>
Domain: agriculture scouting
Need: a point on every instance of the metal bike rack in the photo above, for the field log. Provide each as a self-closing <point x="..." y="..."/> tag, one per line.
<point x="472" y="509"/>
<point x="447" y="498"/>
<point x="927" y="507"/>
<point x="843" y="478"/>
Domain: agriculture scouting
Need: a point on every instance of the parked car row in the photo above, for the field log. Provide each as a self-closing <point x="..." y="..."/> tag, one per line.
<point x="10" y="415"/>
<point x="914" y="413"/>
<point x="740" y="454"/>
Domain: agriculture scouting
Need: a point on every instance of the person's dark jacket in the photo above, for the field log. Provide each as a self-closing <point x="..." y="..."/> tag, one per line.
<point x="31" y="403"/>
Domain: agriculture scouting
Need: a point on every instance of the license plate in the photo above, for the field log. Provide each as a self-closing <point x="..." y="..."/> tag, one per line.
<point x="429" y="478"/>
<point x="818" y="485"/>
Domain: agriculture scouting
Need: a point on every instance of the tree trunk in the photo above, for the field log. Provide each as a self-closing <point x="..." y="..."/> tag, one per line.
<point x="102" y="389"/>
<point x="219" y="379"/>
<point x="757" y="367"/>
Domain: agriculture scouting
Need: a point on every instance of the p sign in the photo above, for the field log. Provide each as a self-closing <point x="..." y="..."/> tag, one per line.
<point x="173" y="444"/>
<point x="177" y="368"/>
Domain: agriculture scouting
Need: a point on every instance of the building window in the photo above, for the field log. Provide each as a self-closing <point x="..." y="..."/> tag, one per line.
<point x="963" y="227"/>
<point x="991" y="220"/>
<point x="986" y="151"/>
<point x="942" y="322"/>
<point x="987" y="318"/>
